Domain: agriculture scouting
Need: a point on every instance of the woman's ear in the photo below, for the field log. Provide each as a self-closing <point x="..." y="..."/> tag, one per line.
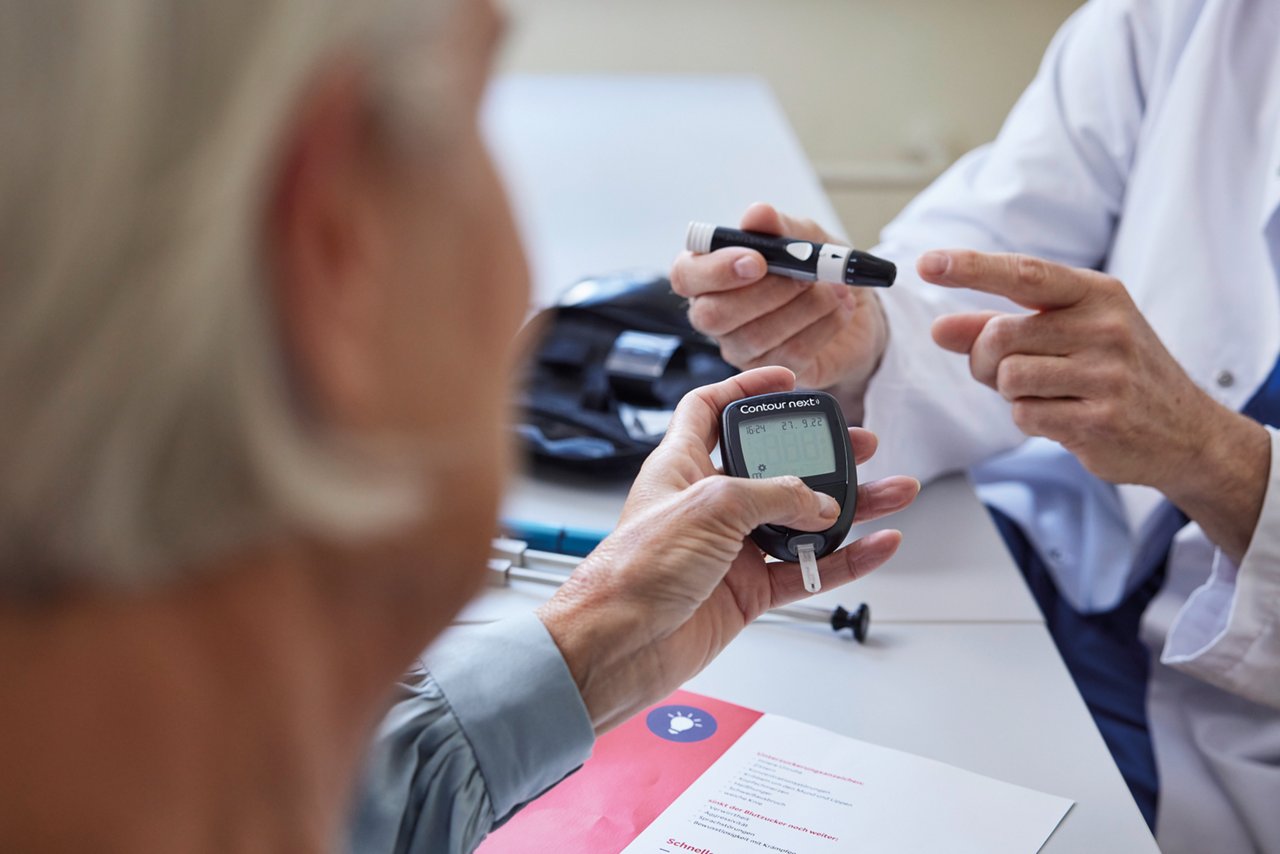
<point x="325" y="247"/>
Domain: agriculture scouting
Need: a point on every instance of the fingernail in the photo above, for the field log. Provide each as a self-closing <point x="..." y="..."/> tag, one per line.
<point x="830" y="507"/>
<point x="749" y="267"/>
<point x="934" y="263"/>
<point x="887" y="534"/>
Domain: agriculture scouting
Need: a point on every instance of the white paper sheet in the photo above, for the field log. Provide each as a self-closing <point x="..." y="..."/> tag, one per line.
<point x="786" y="786"/>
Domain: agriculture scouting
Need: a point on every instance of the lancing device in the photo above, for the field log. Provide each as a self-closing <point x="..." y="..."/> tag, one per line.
<point x="798" y="259"/>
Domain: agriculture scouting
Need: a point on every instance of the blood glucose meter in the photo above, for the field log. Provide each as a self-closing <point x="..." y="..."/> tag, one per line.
<point x="800" y="433"/>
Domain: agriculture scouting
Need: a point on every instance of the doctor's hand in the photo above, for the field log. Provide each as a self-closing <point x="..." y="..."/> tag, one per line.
<point x="678" y="579"/>
<point x="1086" y="370"/>
<point x="829" y="335"/>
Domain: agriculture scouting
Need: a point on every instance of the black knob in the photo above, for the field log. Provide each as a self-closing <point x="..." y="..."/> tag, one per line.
<point x="869" y="271"/>
<point x="859" y="620"/>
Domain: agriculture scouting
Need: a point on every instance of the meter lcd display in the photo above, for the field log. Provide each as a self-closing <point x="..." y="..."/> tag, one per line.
<point x="795" y="444"/>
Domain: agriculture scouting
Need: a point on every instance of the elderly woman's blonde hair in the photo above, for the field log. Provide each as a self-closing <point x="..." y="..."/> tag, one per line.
<point x="146" y="416"/>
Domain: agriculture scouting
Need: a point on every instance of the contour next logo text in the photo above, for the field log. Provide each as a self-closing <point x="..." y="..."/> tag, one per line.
<point x="769" y="407"/>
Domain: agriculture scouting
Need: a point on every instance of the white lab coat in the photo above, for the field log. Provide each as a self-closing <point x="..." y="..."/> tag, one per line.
<point x="1148" y="146"/>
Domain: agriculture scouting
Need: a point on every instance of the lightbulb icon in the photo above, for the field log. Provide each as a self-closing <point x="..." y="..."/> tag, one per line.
<point x="682" y="722"/>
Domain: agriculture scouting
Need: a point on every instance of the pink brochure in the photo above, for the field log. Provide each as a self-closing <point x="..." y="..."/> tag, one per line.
<point x="635" y="772"/>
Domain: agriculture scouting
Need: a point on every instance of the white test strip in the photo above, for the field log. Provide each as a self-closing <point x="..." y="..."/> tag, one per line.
<point x="809" y="567"/>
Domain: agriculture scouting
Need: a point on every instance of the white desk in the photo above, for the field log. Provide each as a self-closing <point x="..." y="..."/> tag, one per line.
<point x="605" y="173"/>
<point x="995" y="699"/>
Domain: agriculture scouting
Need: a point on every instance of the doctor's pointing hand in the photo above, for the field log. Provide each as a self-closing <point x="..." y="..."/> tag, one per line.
<point x="1086" y="370"/>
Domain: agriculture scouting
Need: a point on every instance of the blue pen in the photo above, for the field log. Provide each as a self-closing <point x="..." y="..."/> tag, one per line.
<point x="553" y="538"/>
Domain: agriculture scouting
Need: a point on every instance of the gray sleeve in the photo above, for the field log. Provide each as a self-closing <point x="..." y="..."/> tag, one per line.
<point x="491" y="721"/>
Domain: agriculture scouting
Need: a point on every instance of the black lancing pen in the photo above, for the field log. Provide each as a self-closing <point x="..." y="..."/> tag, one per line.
<point x="796" y="258"/>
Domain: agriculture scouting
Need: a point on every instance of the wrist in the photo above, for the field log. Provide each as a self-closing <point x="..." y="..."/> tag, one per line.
<point x="851" y="389"/>
<point x="1222" y="482"/>
<point x="600" y="638"/>
<point x="1222" y="454"/>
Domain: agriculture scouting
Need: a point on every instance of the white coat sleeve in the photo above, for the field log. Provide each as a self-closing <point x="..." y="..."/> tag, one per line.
<point x="1228" y="632"/>
<point x="1052" y="185"/>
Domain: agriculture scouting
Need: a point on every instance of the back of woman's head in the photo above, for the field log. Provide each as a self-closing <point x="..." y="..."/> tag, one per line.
<point x="146" y="415"/>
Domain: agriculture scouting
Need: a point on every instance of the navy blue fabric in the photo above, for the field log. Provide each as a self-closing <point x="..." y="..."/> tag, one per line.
<point x="1264" y="407"/>
<point x="1108" y="662"/>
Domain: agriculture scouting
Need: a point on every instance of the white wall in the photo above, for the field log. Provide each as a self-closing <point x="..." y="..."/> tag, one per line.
<point x="881" y="92"/>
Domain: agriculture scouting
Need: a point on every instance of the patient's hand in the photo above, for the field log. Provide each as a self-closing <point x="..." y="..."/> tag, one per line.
<point x="677" y="580"/>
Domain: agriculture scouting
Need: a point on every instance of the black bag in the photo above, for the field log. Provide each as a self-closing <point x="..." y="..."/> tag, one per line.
<point x="616" y="356"/>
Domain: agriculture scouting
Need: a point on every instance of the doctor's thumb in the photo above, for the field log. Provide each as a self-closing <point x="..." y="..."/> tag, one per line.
<point x="957" y="332"/>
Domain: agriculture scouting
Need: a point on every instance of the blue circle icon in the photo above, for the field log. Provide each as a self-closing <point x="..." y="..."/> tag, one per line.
<point x="681" y="723"/>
